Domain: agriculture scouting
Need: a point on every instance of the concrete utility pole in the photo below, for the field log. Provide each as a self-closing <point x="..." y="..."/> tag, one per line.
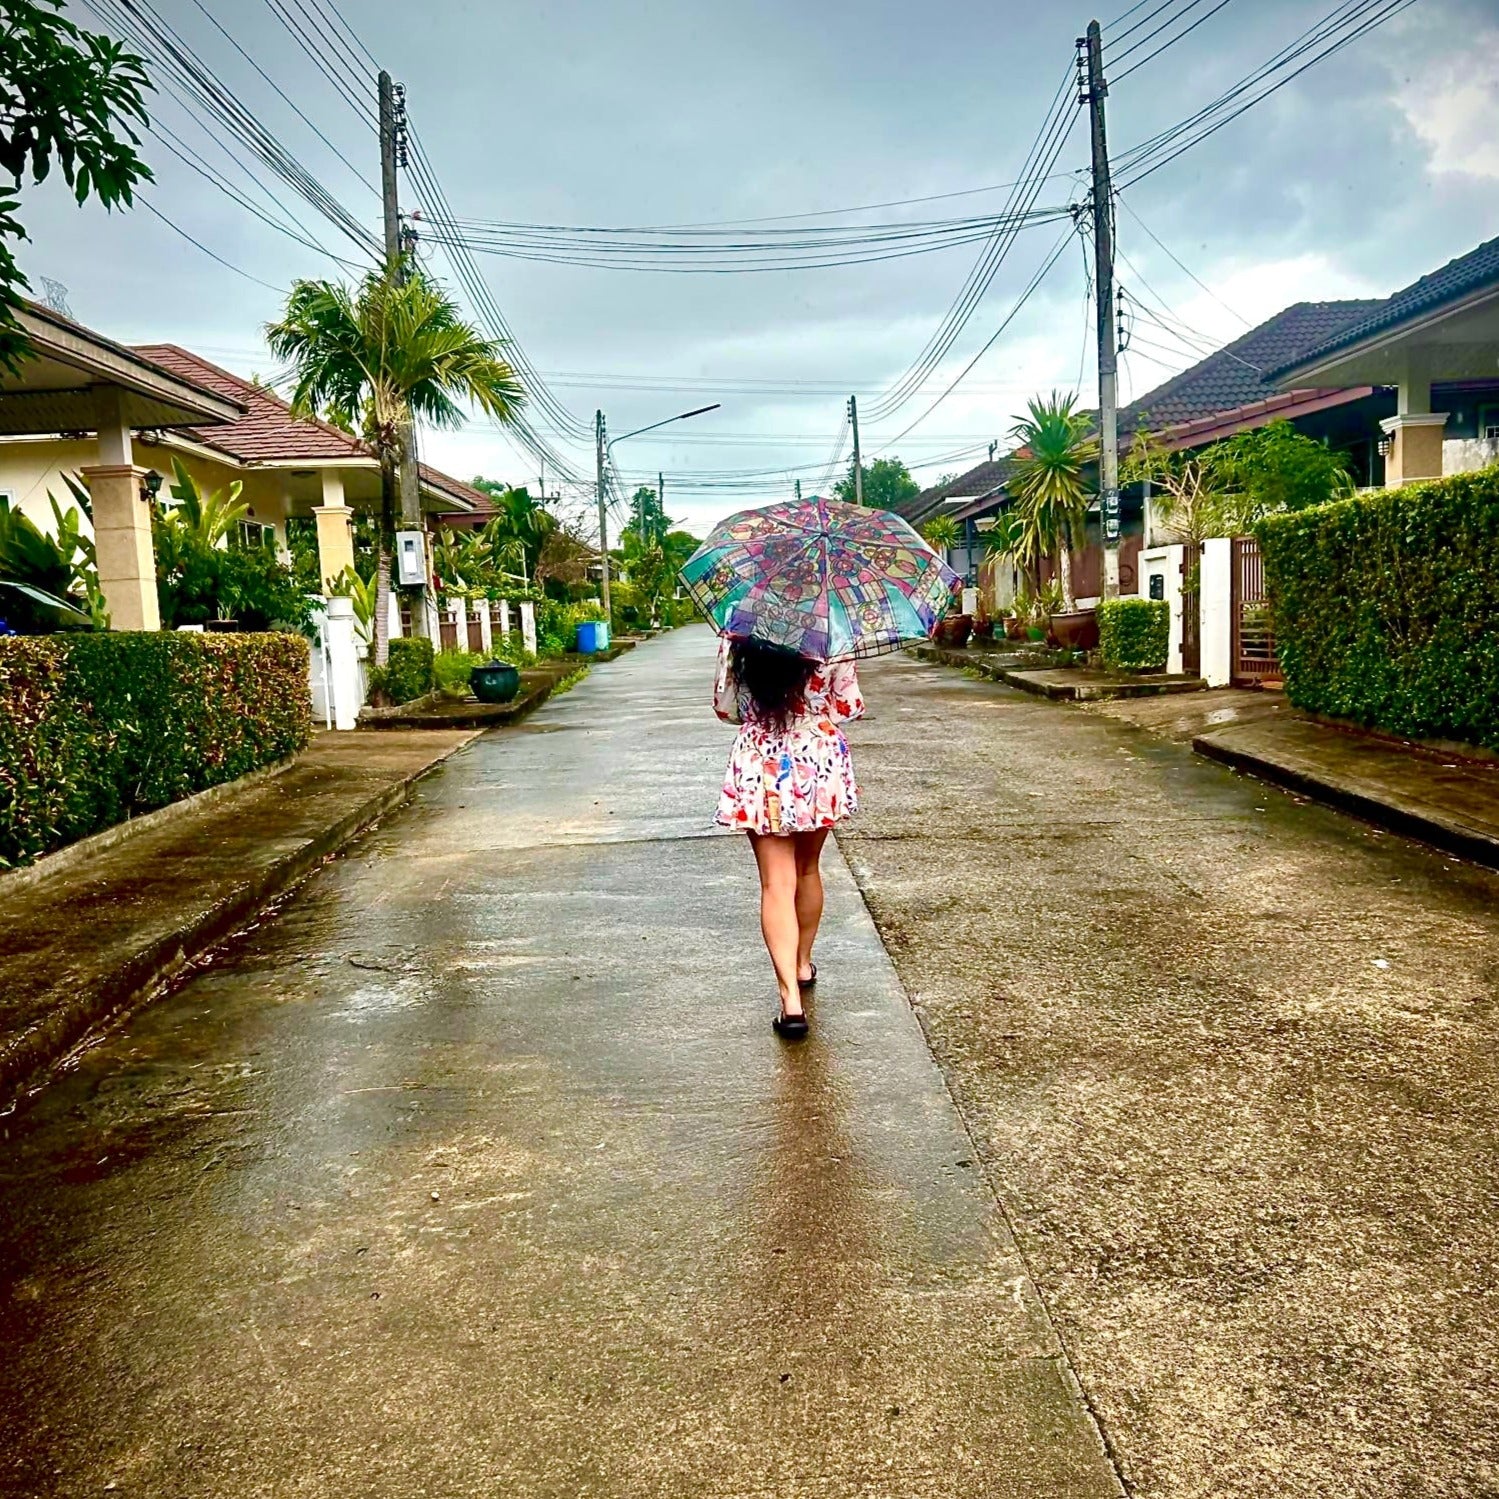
<point x="661" y="501"/>
<point x="798" y="489"/>
<point x="1094" y="92"/>
<point x="598" y="442"/>
<point x="853" y="421"/>
<point x="392" y="154"/>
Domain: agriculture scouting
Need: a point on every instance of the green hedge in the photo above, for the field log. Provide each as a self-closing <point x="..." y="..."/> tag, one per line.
<point x="409" y="671"/>
<point x="100" y="727"/>
<point x="1386" y="607"/>
<point x="1134" y="634"/>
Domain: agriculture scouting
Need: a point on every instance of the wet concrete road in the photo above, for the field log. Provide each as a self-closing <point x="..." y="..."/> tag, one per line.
<point x="478" y="1170"/>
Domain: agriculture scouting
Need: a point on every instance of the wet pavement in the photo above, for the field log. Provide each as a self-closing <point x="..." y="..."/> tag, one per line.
<point x="477" y="1170"/>
<point x="1230" y="1060"/>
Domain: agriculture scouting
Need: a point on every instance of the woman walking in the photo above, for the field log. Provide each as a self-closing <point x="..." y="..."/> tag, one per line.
<point x="790" y="780"/>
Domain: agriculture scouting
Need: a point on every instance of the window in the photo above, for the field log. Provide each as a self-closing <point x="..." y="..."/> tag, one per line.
<point x="1488" y="422"/>
<point x="251" y="533"/>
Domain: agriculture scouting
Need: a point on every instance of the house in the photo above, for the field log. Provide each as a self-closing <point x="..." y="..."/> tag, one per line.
<point x="1407" y="386"/>
<point x="118" y="416"/>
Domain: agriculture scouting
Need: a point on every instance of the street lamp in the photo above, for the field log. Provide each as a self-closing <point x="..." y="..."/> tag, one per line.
<point x="602" y="451"/>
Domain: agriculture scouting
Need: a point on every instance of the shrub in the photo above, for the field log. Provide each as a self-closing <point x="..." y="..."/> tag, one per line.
<point x="409" y="671"/>
<point x="452" y="669"/>
<point x="1134" y="634"/>
<point x="97" y="728"/>
<point x="1386" y="607"/>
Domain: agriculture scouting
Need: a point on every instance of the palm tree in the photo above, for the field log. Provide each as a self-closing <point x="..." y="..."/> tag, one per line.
<point x="380" y="357"/>
<point x="1054" y="446"/>
<point x="942" y="533"/>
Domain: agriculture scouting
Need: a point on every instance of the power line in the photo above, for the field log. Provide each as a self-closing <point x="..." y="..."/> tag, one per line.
<point x="151" y="208"/>
<point x="1170" y="42"/>
<point x="1120" y="199"/>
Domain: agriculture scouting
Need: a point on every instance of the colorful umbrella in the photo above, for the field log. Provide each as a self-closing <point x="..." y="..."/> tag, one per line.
<point x="829" y="580"/>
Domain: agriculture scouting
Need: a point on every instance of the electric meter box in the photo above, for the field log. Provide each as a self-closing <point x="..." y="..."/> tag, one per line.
<point x="411" y="558"/>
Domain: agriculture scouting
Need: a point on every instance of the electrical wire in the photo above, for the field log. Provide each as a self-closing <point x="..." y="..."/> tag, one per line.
<point x="151" y="208"/>
<point x="1171" y="41"/>
<point x="1185" y="269"/>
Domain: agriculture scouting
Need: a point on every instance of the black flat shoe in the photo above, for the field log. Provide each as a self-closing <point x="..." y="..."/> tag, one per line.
<point x="790" y="1027"/>
<point x="810" y="982"/>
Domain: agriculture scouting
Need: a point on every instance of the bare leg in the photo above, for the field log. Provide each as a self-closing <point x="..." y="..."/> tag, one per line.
<point x="808" y="896"/>
<point x="776" y="857"/>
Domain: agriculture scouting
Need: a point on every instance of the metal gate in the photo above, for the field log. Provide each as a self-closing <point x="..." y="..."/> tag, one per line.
<point x="1254" y="658"/>
<point x="1191" y="611"/>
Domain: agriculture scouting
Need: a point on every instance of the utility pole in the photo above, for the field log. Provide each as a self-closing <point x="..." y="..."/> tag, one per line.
<point x="598" y="440"/>
<point x="798" y="489"/>
<point x="661" y="502"/>
<point x="853" y="421"/>
<point x="1093" y="94"/>
<point x="392" y="155"/>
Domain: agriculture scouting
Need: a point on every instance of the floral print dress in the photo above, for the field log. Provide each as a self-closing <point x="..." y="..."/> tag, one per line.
<point x="794" y="781"/>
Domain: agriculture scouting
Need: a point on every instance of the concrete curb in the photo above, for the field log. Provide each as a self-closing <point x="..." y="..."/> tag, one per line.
<point x="67" y="1027"/>
<point x="1347" y="796"/>
<point x="1028" y="679"/>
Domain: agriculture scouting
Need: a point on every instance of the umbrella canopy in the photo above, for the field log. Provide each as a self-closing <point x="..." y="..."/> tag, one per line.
<point x="829" y="580"/>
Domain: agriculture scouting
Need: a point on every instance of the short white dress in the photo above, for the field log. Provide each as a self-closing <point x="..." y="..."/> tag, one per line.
<point x="792" y="781"/>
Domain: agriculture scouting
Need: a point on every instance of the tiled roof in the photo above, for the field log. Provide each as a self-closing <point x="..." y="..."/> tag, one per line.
<point x="1229" y="380"/>
<point x="971" y="485"/>
<point x="1237" y="374"/>
<point x="1468" y="273"/>
<point x="269" y="432"/>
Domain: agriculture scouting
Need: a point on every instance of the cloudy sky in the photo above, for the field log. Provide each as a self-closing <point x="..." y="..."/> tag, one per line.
<point x="1354" y="178"/>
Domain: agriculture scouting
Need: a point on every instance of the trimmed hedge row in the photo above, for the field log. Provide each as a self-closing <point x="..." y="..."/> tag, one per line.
<point x="1134" y="634"/>
<point x="95" y="728"/>
<point x="1386" y="607"/>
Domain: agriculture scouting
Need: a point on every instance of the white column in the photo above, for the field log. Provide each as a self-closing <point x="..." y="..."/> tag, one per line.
<point x="1216" y="602"/>
<point x="486" y="629"/>
<point x="395" y="615"/>
<point x="505" y="625"/>
<point x="528" y="625"/>
<point x="345" y="679"/>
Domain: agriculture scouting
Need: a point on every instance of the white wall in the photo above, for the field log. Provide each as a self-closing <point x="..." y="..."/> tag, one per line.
<point x="1166" y="563"/>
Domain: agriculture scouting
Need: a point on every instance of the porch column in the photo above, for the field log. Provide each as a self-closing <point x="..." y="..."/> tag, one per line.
<point x="1415" y="432"/>
<point x="335" y="529"/>
<point x="122" y="521"/>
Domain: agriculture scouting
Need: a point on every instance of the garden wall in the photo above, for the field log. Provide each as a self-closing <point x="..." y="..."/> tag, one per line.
<point x="95" y="728"/>
<point x="1387" y="607"/>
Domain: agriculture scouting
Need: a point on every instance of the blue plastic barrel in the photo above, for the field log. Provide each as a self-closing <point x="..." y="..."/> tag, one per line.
<point x="593" y="637"/>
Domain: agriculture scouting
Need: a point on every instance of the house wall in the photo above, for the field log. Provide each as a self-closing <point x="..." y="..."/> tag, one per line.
<point x="30" y="469"/>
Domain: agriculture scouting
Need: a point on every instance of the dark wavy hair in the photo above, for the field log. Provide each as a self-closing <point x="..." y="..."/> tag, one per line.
<point x="772" y="680"/>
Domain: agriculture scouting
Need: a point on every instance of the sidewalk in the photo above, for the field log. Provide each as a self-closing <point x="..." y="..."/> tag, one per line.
<point x="86" y="932"/>
<point x="1026" y="669"/>
<point x="1449" y="802"/>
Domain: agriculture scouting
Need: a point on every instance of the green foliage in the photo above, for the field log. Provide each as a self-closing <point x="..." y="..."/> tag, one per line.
<point x="207" y="518"/>
<point x="41" y="573"/>
<point x="410" y="672"/>
<point x="198" y="583"/>
<point x="1275" y="468"/>
<point x="887" y="481"/>
<point x="1134" y="634"/>
<point x="941" y="532"/>
<point x="571" y="680"/>
<point x="361" y="593"/>
<point x="1386" y="607"/>
<point x="1048" y="485"/>
<point x="95" y="728"/>
<point x="66" y="96"/>
<point x="452" y="669"/>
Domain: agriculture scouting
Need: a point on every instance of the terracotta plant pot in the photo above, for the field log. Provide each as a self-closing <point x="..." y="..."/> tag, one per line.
<point x="1076" y="631"/>
<point x="954" y="631"/>
<point x="983" y="630"/>
<point x="1015" y="628"/>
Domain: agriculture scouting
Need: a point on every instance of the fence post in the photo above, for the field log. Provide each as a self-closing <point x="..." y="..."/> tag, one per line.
<point x="344" y="678"/>
<point x="528" y="625"/>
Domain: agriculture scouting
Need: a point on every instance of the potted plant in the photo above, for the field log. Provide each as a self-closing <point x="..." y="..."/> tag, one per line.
<point x="983" y="625"/>
<point x="954" y="630"/>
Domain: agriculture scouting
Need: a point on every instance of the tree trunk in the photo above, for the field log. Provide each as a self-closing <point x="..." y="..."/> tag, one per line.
<point x="1065" y="571"/>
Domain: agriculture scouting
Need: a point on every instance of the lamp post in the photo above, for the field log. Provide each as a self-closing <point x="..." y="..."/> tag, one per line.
<point x="602" y="451"/>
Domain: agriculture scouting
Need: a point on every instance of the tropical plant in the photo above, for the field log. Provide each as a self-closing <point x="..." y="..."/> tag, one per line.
<point x="520" y="521"/>
<point x="1191" y="491"/>
<point x="1277" y="468"/>
<point x="67" y="96"/>
<point x="391" y="352"/>
<point x="1054" y="446"/>
<point x="360" y="592"/>
<point x="36" y="577"/>
<point x="941" y="533"/>
<point x="210" y="518"/>
<point x="887" y="481"/>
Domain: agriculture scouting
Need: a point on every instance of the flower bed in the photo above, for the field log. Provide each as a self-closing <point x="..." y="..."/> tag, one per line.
<point x="96" y="728"/>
